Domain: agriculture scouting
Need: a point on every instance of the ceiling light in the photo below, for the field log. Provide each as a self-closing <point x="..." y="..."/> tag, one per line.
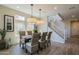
<point x="55" y="8"/>
<point x="39" y="21"/>
<point x="31" y="19"/>
<point x="73" y="16"/>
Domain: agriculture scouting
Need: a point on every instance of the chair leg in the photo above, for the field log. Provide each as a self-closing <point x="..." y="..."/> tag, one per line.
<point x="47" y="44"/>
<point x="37" y="51"/>
<point x="44" y="46"/>
<point x="31" y="54"/>
<point x="50" y="43"/>
<point x="23" y="46"/>
<point x="41" y="48"/>
<point x="26" y="50"/>
<point x="20" y="44"/>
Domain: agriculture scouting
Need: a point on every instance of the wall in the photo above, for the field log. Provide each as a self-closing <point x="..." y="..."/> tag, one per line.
<point x="44" y="27"/>
<point x="8" y="11"/>
<point x="67" y="28"/>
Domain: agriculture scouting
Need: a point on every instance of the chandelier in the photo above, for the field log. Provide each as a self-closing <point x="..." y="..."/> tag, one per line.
<point x="32" y="19"/>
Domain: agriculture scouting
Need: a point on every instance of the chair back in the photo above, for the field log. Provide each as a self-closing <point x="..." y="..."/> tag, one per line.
<point x="49" y="35"/>
<point x="29" y="32"/>
<point x="22" y="33"/>
<point x="35" y="38"/>
<point x="43" y="37"/>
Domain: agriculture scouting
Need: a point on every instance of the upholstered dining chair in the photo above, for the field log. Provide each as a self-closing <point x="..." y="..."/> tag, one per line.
<point x="48" y="39"/>
<point x="29" y="32"/>
<point x="42" y="41"/>
<point x="32" y="46"/>
<point x="22" y="33"/>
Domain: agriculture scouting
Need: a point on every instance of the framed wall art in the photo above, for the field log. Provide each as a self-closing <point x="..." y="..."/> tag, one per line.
<point x="9" y="23"/>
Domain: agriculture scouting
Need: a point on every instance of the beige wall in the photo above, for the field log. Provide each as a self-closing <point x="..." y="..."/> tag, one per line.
<point x="68" y="27"/>
<point x="7" y="11"/>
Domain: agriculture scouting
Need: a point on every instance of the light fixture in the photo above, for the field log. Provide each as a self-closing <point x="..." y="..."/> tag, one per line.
<point x="55" y="8"/>
<point x="40" y="13"/>
<point x="73" y="16"/>
<point x="39" y="21"/>
<point x="31" y="19"/>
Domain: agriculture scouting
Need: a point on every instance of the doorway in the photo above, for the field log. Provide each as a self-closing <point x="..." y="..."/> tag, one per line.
<point x="74" y="29"/>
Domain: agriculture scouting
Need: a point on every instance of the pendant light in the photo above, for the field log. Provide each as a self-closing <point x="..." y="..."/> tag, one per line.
<point x="40" y="13"/>
<point x="40" y="21"/>
<point x="31" y="19"/>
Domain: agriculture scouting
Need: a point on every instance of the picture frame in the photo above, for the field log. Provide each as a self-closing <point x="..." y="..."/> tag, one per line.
<point x="9" y="23"/>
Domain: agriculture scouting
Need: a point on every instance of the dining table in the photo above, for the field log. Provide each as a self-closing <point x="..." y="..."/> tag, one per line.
<point x="27" y="38"/>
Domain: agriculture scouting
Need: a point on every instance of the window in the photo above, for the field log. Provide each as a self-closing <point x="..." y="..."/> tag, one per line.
<point x="20" y="18"/>
<point x="19" y="24"/>
<point x="30" y="26"/>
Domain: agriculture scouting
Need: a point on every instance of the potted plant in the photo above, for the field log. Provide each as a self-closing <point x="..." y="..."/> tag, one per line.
<point x="3" y="34"/>
<point x="2" y="41"/>
<point x="35" y="31"/>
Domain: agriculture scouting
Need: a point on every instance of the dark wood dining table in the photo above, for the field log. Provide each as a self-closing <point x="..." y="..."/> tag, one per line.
<point x="27" y="38"/>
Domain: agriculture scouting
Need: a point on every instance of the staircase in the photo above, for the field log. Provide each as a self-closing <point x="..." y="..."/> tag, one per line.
<point x="57" y="26"/>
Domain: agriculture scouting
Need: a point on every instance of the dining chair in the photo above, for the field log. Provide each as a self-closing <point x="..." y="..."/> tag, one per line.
<point x="48" y="41"/>
<point x="29" y="32"/>
<point x="22" y="42"/>
<point x="42" y="41"/>
<point x="32" y="46"/>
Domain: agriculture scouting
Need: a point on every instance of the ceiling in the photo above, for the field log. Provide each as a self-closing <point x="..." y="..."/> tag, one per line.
<point x="67" y="11"/>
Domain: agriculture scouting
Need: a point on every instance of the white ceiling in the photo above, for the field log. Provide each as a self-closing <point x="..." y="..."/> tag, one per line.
<point x="67" y="11"/>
